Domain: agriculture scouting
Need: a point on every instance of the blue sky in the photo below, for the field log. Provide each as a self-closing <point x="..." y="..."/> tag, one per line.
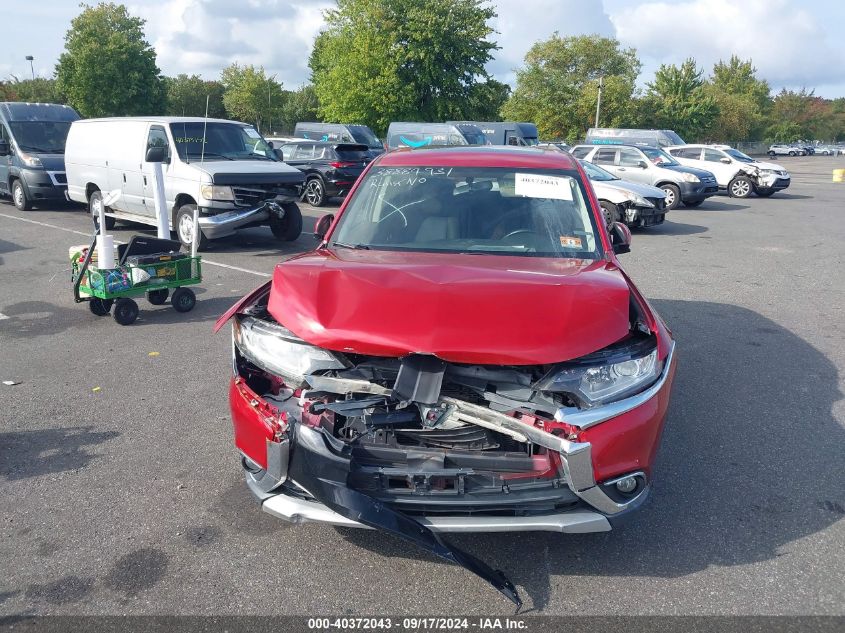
<point x="793" y="43"/>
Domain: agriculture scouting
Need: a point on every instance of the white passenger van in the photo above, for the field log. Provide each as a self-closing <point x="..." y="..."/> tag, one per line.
<point x="223" y="167"/>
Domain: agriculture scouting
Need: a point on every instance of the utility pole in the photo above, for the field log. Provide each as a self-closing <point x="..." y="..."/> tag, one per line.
<point x="598" y="102"/>
<point x="29" y="58"/>
<point x="269" y="112"/>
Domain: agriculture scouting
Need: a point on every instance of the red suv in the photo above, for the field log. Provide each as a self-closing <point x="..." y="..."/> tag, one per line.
<point x="461" y="353"/>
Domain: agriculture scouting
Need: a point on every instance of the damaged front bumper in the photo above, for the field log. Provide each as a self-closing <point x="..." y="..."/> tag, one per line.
<point x="216" y="224"/>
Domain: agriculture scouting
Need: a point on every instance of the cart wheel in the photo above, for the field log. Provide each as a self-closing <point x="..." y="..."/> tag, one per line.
<point x="100" y="307"/>
<point x="158" y="297"/>
<point x="125" y="311"/>
<point x="183" y="300"/>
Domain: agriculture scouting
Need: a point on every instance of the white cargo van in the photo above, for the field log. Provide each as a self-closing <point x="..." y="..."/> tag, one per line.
<point x="224" y="168"/>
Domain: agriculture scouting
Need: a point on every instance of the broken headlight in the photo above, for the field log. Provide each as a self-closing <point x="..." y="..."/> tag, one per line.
<point x="599" y="383"/>
<point x="277" y="350"/>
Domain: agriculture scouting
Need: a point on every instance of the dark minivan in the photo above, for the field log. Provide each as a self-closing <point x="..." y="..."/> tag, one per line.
<point x="32" y="147"/>
<point x="330" y="168"/>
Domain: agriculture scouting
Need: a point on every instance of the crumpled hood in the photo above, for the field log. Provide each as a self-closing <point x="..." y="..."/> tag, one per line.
<point x="765" y="165"/>
<point x="460" y="308"/>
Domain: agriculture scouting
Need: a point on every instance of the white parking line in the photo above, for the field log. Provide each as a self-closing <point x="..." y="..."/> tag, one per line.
<point x="88" y="235"/>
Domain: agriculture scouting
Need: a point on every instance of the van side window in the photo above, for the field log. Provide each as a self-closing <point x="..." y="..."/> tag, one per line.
<point x="604" y="157"/>
<point x="158" y="138"/>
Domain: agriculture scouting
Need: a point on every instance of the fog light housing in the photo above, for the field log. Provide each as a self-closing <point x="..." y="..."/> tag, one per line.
<point x="627" y="485"/>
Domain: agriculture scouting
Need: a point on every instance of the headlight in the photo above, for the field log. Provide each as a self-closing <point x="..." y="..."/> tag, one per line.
<point x="30" y="161"/>
<point x="638" y="200"/>
<point x="767" y="172"/>
<point x="279" y="351"/>
<point x="216" y="192"/>
<point x="687" y="177"/>
<point x="601" y="383"/>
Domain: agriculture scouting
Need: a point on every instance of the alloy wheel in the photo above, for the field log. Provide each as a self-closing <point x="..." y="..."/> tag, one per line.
<point x="740" y="189"/>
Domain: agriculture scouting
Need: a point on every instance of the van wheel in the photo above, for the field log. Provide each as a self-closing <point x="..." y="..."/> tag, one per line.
<point x="740" y="187"/>
<point x="95" y="203"/>
<point x="19" y="196"/>
<point x="673" y="195"/>
<point x="315" y="192"/>
<point x="185" y="227"/>
<point x="610" y="212"/>
<point x="289" y="227"/>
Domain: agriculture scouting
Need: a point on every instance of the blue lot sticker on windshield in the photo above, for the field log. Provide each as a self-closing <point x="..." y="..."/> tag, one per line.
<point x="540" y="186"/>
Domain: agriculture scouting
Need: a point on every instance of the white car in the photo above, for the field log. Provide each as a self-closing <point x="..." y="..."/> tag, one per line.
<point x="632" y="203"/>
<point x="786" y="150"/>
<point x="736" y="173"/>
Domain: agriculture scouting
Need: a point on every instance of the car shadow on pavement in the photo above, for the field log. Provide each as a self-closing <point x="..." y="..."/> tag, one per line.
<point x="207" y="310"/>
<point x="670" y="227"/>
<point x="791" y="196"/>
<point x="751" y="460"/>
<point x="25" y="454"/>
<point x="723" y="203"/>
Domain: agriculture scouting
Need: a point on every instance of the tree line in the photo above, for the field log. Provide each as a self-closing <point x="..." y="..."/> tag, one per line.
<point x="378" y="61"/>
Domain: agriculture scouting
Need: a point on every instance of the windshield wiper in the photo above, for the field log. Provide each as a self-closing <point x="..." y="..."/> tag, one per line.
<point x="43" y="150"/>
<point x="207" y="154"/>
<point x="355" y="247"/>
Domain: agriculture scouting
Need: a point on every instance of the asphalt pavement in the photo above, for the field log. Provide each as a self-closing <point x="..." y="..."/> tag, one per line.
<point x="122" y="493"/>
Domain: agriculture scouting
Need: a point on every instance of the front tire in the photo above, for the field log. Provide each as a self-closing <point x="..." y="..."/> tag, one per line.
<point x="19" y="196"/>
<point x="673" y="196"/>
<point x="289" y="227"/>
<point x="95" y="203"/>
<point x="125" y="311"/>
<point x="610" y="212"/>
<point x="740" y="187"/>
<point x="315" y="192"/>
<point x="183" y="300"/>
<point x="185" y="228"/>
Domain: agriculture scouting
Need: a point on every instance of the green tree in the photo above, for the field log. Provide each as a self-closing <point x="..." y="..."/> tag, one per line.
<point x="486" y="100"/>
<point x="743" y="101"/>
<point x="108" y="68"/>
<point x="558" y="87"/>
<point x="384" y="60"/>
<point x="298" y="105"/>
<point x="251" y="95"/>
<point x="186" y="96"/>
<point x="677" y="100"/>
<point x="39" y="90"/>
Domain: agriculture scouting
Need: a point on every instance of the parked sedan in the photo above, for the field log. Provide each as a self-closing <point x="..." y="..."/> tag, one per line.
<point x="622" y="201"/>
<point x="330" y="168"/>
<point x="736" y="173"/>
<point x="461" y="353"/>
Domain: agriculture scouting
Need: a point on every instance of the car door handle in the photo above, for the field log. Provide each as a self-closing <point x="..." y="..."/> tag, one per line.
<point x="145" y="181"/>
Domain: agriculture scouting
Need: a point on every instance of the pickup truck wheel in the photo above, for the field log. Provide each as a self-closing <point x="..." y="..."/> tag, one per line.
<point x="95" y="203"/>
<point x="673" y="196"/>
<point x="289" y="227"/>
<point x="740" y="187"/>
<point x="185" y="227"/>
<point x="315" y="192"/>
<point x="19" y="196"/>
<point x="610" y="212"/>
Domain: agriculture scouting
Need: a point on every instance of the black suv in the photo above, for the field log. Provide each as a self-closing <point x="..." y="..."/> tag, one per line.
<point x="330" y="168"/>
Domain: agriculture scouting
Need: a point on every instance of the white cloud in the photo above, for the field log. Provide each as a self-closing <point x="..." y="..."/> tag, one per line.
<point x="787" y="43"/>
<point x="204" y="36"/>
<point x="523" y="22"/>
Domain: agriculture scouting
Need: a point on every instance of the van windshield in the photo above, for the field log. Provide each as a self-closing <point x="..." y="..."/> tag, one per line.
<point x="364" y="135"/>
<point x="223" y="141"/>
<point x="470" y="210"/>
<point x="46" y="137"/>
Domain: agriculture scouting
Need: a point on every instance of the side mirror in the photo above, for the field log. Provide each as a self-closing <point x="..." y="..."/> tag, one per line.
<point x="270" y="145"/>
<point x="157" y="155"/>
<point x="323" y="225"/>
<point x="5" y="150"/>
<point x="620" y="238"/>
<point x="642" y="164"/>
<point x="725" y="160"/>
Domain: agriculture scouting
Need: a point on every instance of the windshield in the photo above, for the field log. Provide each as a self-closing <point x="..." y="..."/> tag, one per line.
<point x="364" y="135"/>
<point x="659" y="157"/>
<point x="594" y="172"/>
<point x="223" y="141"/>
<point x="470" y="210"/>
<point x="735" y="153"/>
<point x="46" y="137"/>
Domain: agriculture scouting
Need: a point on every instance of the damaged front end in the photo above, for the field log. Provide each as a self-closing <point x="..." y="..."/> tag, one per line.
<point x="418" y="446"/>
